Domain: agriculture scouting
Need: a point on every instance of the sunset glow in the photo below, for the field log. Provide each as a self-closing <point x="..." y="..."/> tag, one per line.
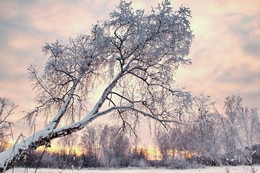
<point x="150" y="152"/>
<point x="66" y="150"/>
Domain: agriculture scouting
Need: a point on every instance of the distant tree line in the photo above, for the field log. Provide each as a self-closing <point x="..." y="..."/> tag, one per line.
<point x="102" y="146"/>
<point x="214" y="138"/>
<point x="6" y="109"/>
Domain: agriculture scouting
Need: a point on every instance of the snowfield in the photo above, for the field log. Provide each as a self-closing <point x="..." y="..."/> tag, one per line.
<point x="224" y="169"/>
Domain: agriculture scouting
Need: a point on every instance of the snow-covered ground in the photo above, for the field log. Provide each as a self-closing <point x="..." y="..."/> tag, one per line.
<point x="224" y="169"/>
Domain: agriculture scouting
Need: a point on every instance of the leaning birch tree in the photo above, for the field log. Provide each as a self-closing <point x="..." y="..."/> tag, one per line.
<point x="133" y="54"/>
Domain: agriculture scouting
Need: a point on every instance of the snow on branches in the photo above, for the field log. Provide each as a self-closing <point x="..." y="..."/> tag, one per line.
<point x="135" y="55"/>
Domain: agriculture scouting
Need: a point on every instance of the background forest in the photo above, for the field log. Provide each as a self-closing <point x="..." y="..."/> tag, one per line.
<point x="231" y="138"/>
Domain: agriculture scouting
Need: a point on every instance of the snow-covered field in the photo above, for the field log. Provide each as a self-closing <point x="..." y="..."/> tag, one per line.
<point x="224" y="169"/>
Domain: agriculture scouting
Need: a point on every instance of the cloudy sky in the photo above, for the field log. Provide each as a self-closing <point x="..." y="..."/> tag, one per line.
<point x="225" y="52"/>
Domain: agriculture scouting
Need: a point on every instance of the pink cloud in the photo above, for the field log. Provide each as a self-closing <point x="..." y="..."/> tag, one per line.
<point x="67" y="19"/>
<point x="8" y="9"/>
<point x="217" y="49"/>
<point x="21" y="40"/>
